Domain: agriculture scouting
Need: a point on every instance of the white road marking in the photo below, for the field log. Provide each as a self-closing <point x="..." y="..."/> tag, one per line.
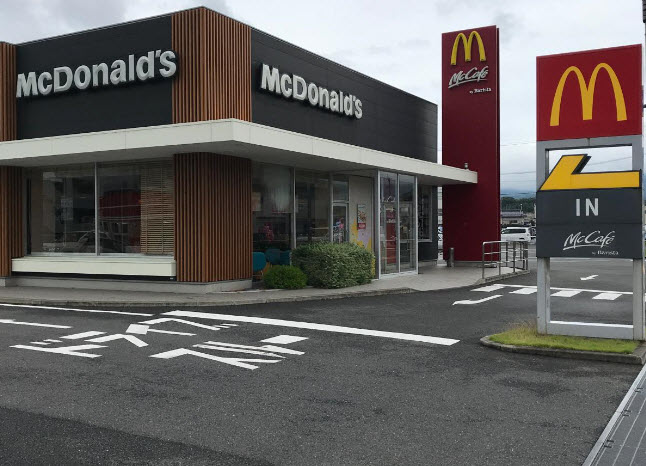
<point x="566" y="293"/>
<point x="239" y="362"/>
<point x="275" y="349"/>
<point x="67" y="350"/>
<point x="187" y="322"/>
<point x="77" y="310"/>
<point x="134" y="340"/>
<point x="477" y="301"/>
<point x="490" y="288"/>
<point x="312" y="326"/>
<point x="607" y="296"/>
<point x="284" y="339"/>
<point x="80" y="336"/>
<point x="240" y="350"/>
<point x="577" y="289"/>
<point x="591" y="277"/>
<point x="524" y="291"/>
<point x="39" y="343"/>
<point x="140" y="329"/>
<point x="51" y="340"/>
<point x="31" y="324"/>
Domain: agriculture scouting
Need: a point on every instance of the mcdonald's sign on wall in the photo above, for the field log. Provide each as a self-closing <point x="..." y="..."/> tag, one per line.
<point x="595" y="93"/>
<point x="471" y="137"/>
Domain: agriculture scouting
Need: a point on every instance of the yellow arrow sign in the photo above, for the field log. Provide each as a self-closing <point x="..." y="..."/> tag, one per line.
<point x="567" y="175"/>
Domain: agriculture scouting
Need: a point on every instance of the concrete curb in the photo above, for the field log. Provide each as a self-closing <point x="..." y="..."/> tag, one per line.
<point x="199" y="302"/>
<point x="638" y="357"/>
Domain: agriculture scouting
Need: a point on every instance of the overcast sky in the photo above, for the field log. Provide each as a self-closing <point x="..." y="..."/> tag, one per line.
<point x="395" y="42"/>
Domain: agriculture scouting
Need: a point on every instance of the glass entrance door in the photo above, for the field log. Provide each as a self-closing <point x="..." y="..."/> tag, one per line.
<point x="340" y="223"/>
<point x="406" y="223"/>
<point x="388" y="235"/>
<point x="397" y="223"/>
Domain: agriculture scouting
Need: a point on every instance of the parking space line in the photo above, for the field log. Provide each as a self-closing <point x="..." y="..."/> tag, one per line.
<point x="31" y="324"/>
<point x="77" y="310"/>
<point x="312" y="326"/>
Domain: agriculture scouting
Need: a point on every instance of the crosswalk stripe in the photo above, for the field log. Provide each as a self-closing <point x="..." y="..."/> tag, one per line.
<point x="566" y="293"/>
<point x="525" y="291"/>
<point x="607" y="296"/>
<point x="490" y="288"/>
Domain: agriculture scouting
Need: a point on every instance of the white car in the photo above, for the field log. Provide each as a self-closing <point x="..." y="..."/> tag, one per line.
<point x="516" y="234"/>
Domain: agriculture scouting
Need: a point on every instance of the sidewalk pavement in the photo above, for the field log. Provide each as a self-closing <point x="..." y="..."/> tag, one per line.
<point x="622" y="441"/>
<point x="431" y="277"/>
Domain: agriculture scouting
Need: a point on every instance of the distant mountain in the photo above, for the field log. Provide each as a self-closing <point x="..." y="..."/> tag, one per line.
<point x="516" y="193"/>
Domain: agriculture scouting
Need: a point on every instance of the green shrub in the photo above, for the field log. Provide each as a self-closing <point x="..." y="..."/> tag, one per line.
<point x="334" y="265"/>
<point x="285" y="277"/>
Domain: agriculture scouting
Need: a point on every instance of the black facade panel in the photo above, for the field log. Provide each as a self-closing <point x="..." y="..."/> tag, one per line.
<point x="106" y="108"/>
<point x="393" y="121"/>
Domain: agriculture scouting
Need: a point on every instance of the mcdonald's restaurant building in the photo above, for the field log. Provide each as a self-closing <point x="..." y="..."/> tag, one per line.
<point x="171" y="149"/>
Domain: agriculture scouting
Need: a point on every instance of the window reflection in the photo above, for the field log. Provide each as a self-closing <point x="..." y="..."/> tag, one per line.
<point x="61" y="209"/>
<point x="271" y="206"/>
<point x="135" y="207"/>
<point x="312" y="207"/>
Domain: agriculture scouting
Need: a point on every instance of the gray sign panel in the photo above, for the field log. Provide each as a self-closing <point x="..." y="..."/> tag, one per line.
<point x="589" y="206"/>
<point x="589" y="223"/>
<point x="619" y="240"/>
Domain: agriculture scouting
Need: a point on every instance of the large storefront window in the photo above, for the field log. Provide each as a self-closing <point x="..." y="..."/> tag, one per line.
<point x="136" y="208"/>
<point x="134" y="203"/>
<point x="312" y="207"/>
<point x="397" y="223"/>
<point x="62" y="210"/>
<point x="272" y="207"/>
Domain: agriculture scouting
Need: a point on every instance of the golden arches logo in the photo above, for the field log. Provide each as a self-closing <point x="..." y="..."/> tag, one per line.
<point x="467" y="43"/>
<point x="587" y="93"/>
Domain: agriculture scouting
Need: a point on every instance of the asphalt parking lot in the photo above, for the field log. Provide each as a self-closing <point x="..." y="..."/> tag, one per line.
<point x="324" y="382"/>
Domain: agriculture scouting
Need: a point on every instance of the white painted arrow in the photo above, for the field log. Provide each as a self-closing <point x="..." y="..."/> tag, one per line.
<point x="591" y="277"/>
<point x="477" y="301"/>
<point x="32" y="324"/>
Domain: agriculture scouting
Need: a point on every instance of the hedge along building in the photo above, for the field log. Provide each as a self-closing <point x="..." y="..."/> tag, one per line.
<point x="174" y="147"/>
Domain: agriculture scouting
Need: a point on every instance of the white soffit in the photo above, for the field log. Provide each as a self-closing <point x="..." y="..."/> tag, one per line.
<point x="230" y="137"/>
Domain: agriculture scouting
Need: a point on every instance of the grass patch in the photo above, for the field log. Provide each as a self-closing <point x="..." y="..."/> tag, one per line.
<point x="525" y="334"/>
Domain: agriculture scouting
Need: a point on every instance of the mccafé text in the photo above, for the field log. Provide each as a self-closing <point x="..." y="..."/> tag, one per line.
<point x="473" y="75"/>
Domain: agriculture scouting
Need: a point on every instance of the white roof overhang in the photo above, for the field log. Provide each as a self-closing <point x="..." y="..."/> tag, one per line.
<point x="230" y="137"/>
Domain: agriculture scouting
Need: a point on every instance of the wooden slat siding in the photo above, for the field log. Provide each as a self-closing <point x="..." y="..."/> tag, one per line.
<point x="8" y="129"/>
<point x="213" y="219"/>
<point x="11" y="234"/>
<point x="214" y="74"/>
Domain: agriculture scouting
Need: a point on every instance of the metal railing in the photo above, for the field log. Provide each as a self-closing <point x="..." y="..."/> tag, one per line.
<point x="511" y="254"/>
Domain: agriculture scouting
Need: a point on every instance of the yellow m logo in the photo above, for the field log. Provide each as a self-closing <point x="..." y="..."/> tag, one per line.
<point x="467" y="47"/>
<point x="587" y="93"/>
